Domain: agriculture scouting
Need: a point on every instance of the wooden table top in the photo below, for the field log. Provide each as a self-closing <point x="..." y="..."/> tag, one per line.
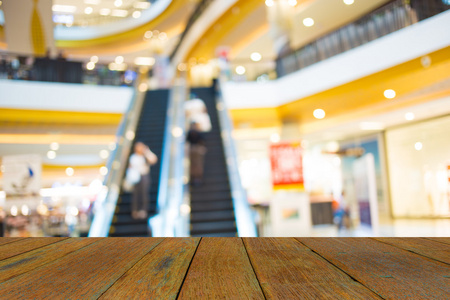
<point x="225" y="268"/>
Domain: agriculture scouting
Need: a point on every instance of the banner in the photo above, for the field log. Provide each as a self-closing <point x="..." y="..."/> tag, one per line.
<point x="29" y="26"/>
<point x="287" y="165"/>
<point x="22" y="175"/>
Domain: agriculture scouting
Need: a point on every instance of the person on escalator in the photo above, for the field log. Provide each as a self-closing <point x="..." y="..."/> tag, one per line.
<point x="197" y="151"/>
<point x="139" y="168"/>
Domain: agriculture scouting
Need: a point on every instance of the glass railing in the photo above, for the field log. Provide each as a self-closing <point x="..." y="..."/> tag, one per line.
<point x="245" y="217"/>
<point x="106" y="201"/>
<point x="172" y="219"/>
<point x="389" y="18"/>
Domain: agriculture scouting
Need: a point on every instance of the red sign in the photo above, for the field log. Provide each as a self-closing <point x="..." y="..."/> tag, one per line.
<point x="287" y="166"/>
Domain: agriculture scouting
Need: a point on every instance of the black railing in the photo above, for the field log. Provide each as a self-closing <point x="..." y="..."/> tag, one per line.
<point x="389" y="18"/>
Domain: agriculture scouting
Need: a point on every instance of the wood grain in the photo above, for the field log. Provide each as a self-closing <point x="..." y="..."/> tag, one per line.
<point x="7" y="240"/>
<point x="287" y="269"/>
<point x="31" y="260"/>
<point x="221" y="270"/>
<point x="391" y="272"/>
<point x="25" y="245"/>
<point x="159" y="274"/>
<point x="83" y="274"/>
<point x="444" y="240"/>
<point x="428" y="248"/>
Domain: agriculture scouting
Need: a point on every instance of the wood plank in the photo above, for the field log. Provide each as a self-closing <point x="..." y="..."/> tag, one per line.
<point x="286" y="269"/>
<point x="83" y="274"/>
<point x="159" y="274"/>
<point x="428" y="248"/>
<point x="31" y="260"/>
<point x="444" y="240"/>
<point x="25" y="245"/>
<point x="387" y="270"/>
<point x="7" y="240"/>
<point x="221" y="269"/>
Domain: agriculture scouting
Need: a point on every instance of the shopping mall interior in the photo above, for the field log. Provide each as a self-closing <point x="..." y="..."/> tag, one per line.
<point x="267" y="118"/>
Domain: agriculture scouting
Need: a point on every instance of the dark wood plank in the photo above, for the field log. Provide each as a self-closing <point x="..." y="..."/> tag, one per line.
<point x="389" y="271"/>
<point x="444" y="240"/>
<point x="286" y="269"/>
<point x="31" y="260"/>
<point x="83" y="274"/>
<point x="159" y="274"/>
<point x="429" y="248"/>
<point x="221" y="270"/>
<point x="25" y="245"/>
<point x="7" y="240"/>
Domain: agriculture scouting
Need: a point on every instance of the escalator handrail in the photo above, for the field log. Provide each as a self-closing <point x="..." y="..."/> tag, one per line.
<point x="105" y="204"/>
<point x="244" y="216"/>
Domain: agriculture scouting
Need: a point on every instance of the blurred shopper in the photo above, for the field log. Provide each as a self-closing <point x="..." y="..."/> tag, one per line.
<point x="197" y="151"/>
<point x="139" y="168"/>
<point x="196" y="112"/>
<point x="341" y="213"/>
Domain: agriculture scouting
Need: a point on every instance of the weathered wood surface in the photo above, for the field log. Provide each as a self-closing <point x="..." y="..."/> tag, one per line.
<point x="159" y="274"/>
<point x="221" y="267"/>
<point x="225" y="268"/>
<point x="299" y="272"/>
<point x="391" y="272"/>
<point x="428" y="248"/>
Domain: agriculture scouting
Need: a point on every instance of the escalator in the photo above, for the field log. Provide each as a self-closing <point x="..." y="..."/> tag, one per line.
<point x="150" y="131"/>
<point x="212" y="212"/>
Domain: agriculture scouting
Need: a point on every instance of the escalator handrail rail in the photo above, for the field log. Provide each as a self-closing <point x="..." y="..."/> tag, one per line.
<point x="244" y="217"/>
<point x="106" y="202"/>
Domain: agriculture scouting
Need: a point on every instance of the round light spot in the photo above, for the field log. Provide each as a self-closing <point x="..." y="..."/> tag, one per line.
<point x="240" y="70"/>
<point x="88" y="10"/>
<point x="275" y="138"/>
<point x="90" y="66"/>
<point x="136" y="14"/>
<point x="177" y="131"/>
<point x="409" y="116"/>
<point x="390" y="94"/>
<point x="104" y="154"/>
<point x="255" y="56"/>
<point x="118" y="3"/>
<point x="112" y="146"/>
<point x="70" y="171"/>
<point x="119" y="60"/>
<point x="103" y="171"/>
<point x="51" y="154"/>
<point x="143" y="87"/>
<point x="308" y="22"/>
<point x="292" y="2"/>
<point x="162" y="36"/>
<point x="319" y="113"/>
<point x="418" y="146"/>
<point x="349" y="2"/>
<point x="94" y="59"/>
<point x="129" y="135"/>
<point x="54" y="146"/>
<point x="269" y="3"/>
<point x="148" y="34"/>
<point x="25" y="210"/>
<point x="14" y="210"/>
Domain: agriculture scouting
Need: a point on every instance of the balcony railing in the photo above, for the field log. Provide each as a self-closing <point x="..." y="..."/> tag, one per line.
<point x="389" y="18"/>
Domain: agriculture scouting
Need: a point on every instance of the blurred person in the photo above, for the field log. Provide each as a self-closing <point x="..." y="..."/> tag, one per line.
<point x="196" y="112"/>
<point x="341" y="212"/>
<point x="197" y="151"/>
<point x="139" y="163"/>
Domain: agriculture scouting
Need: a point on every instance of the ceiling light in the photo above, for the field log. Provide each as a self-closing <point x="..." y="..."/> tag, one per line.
<point x="308" y="22"/>
<point x="51" y="154"/>
<point x="144" y="61"/>
<point x="64" y="8"/>
<point x="104" y="154"/>
<point x="103" y="171"/>
<point x="112" y="146"/>
<point x="54" y="146"/>
<point x="119" y="60"/>
<point x="104" y="11"/>
<point x="349" y="2"/>
<point x="269" y="3"/>
<point x="255" y="56"/>
<point x="418" y="146"/>
<point x="141" y="5"/>
<point x="319" y="113"/>
<point x="240" y="70"/>
<point x="275" y="138"/>
<point x="162" y="36"/>
<point x="409" y="116"/>
<point x="70" y="171"/>
<point x="90" y="65"/>
<point x="94" y="59"/>
<point x="119" y="13"/>
<point x="143" y="87"/>
<point x="182" y="67"/>
<point x="136" y="14"/>
<point x="118" y="3"/>
<point x="371" y="126"/>
<point x="14" y="211"/>
<point x="292" y="2"/>
<point x="148" y="34"/>
<point x="130" y="135"/>
<point x="88" y="10"/>
<point x="93" y="2"/>
<point x="389" y="94"/>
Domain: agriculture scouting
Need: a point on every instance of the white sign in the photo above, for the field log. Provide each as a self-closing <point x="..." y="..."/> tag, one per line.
<point x="22" y="175"/>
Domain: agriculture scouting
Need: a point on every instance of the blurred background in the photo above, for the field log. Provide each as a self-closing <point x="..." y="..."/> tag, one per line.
<point x="328" y="117"/>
